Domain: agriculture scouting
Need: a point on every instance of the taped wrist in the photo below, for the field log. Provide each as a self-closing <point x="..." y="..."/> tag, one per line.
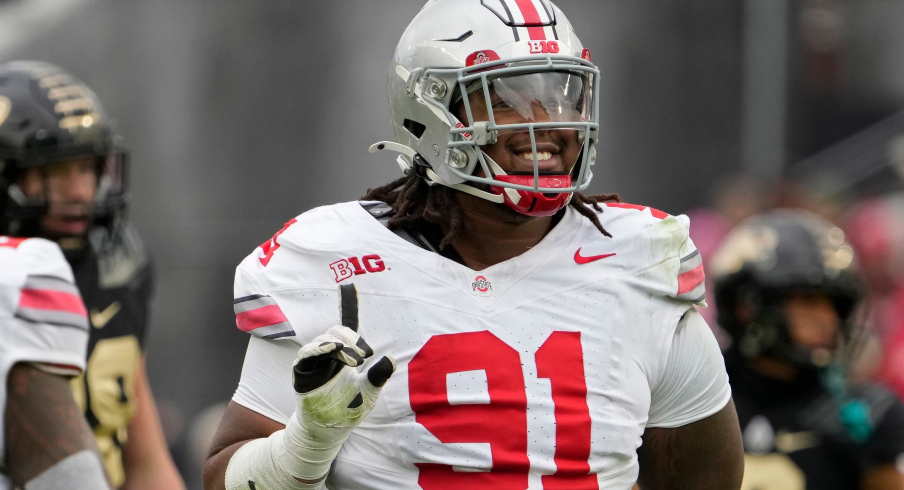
<point x="258" y="465"/>
<point x="309" y="449"/>
<point x="81" y="470"/>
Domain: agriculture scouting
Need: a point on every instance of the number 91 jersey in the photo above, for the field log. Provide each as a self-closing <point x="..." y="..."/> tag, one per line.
<point x="539" y="372"/>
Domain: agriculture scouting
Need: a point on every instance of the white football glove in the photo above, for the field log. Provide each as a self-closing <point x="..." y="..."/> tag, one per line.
<point x="332" y="396"/>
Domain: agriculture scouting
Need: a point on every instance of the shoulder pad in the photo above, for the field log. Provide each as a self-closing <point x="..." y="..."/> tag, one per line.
<point x="661" y="247"/>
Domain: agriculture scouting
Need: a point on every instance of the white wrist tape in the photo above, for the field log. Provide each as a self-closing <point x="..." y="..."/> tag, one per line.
<point x="308" y="455"/>
<point x="258" y="466"/>
<point x="80" y="470"/>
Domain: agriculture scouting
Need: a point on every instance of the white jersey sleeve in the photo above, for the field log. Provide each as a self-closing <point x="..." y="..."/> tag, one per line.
<point x="692" y="383"/>
<point x="266" y="383"/>
<point x="687" y="376"/>
<point x="42" y="317"/>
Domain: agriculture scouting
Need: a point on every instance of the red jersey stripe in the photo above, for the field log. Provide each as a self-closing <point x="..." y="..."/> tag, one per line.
<point x="689" y="280"/>
<point x="260" y="317"/>
<point x="532" y="20"/>
<point x="48" y="299"/>
<point x="11" y="242"/>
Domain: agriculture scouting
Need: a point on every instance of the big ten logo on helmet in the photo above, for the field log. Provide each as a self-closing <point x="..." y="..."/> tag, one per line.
<point x="481" y="285"/>
<point x="544" y="47"/>
<point x="353" y="266"/>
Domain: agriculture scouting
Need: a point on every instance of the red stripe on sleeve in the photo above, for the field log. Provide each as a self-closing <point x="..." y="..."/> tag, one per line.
<point x="260" y="317"/>
<point x="623" y="205"/>
<point x="48" y="299"/>
<point x="689" y="280"/>
<point x="10" y="242"/>
<point x="531" y="18"/>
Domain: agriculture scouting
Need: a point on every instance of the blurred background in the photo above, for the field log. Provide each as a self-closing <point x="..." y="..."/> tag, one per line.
<point x="241" y="115"/>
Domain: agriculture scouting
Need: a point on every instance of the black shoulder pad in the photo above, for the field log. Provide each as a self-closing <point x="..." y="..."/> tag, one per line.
<point x="383" y="213"/>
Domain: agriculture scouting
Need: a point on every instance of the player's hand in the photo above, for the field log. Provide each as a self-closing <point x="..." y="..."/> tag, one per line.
<point x="332" y="397"/>
<point x="331" y="392"/>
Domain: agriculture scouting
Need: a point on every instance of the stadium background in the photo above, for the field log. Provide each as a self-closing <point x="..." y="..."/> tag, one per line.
<point x="240" y="115"/>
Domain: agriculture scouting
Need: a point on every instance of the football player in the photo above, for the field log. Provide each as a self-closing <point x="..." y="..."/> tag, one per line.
<point x="65" y="170"/>
<point x="45" y="443"/>
<point x="787" y="288"/>
<point x="519" y="334"/>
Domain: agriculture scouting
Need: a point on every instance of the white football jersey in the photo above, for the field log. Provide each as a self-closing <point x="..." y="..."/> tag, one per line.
<point x="42" y="316"/>
<point x="538" y="372"/>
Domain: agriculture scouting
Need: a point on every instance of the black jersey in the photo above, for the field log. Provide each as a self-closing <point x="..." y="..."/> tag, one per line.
<point x="794" y="437"/>
<point x="115" y="281"/>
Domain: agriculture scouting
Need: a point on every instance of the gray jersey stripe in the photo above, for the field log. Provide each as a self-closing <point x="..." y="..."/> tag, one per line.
<point x="53" y="318"/>
<point x="691" y="263"/>
<point x="51" y="283"/>
<point x="253" y="303"/>
<point x="278" y="330"/>
<point x="696" y="295"/>
<point x="247" y="298"/>
<point x="690" y="256"/>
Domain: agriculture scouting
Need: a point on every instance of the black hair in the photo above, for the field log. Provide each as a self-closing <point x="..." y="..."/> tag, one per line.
<point x="416" y="203"/>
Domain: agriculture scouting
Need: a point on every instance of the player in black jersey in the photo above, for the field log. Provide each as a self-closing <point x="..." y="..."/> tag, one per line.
<point x="787" y="291"/>
<point x="65" y="173"/>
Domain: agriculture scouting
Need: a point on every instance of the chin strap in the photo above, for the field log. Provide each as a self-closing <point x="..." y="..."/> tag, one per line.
<point x="410" y="161"/>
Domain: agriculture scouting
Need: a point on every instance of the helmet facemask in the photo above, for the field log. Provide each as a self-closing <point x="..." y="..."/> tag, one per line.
<point x="28" y="213"/>
<point x="533" y="119"/>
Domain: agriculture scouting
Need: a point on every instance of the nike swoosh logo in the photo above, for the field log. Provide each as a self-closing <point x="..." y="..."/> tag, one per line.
<point x="100" y="319"/>
<point x="580" y="259"/>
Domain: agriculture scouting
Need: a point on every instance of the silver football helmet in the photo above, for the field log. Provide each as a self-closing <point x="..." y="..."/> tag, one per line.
<point x="466" y="72"/>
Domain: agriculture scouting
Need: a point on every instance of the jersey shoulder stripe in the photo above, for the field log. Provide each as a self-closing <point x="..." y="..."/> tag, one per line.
<point x="11" y="242"/>
<point x="691" y="278"/>
<point x="661" y="245"/>
<point x="260" y="316"/>
<point x="52" y="300"/>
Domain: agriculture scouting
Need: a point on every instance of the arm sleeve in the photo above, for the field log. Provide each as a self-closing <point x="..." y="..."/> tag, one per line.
<point x="692" y="384"/>
<point x="47" y="322"/>
<point x="256" y="312"/>
<point x="266" y="383"/>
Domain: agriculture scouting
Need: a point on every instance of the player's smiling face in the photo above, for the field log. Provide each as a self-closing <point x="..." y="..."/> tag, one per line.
<point x="531" y="98"/>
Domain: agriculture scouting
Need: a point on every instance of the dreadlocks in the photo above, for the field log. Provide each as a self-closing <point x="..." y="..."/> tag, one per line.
<point x="416" y="202"/>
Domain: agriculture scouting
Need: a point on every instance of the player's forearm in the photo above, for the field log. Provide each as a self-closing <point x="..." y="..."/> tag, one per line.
<point x="218" y="461"/>
<point x="214" y="470"/>
<point x="43" y="423"/>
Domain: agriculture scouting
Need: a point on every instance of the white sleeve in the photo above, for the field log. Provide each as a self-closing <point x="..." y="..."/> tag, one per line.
<point x="266" y="383"/>
<point x="42" y="317"/>
<point x="693" y="383"/>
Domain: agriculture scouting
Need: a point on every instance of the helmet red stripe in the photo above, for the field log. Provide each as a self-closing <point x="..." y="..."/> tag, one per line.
<point x="532" y="19"/>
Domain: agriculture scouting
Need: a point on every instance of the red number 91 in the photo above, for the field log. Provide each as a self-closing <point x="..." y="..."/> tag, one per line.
<point x="503" y="422"/>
